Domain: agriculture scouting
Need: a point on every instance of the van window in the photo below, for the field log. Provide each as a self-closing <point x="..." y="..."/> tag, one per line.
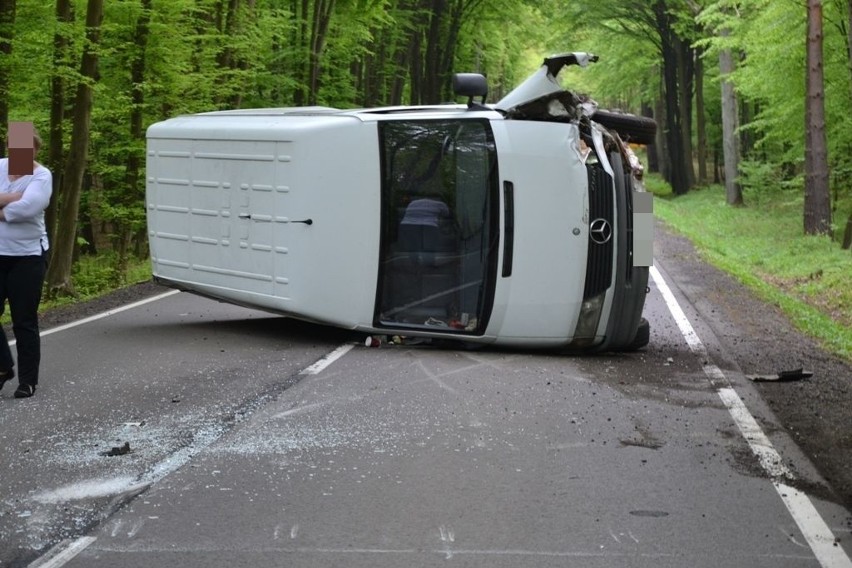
<point x="439" y="225"/>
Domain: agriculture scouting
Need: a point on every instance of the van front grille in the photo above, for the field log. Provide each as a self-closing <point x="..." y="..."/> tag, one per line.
<point x="599" y="262"/>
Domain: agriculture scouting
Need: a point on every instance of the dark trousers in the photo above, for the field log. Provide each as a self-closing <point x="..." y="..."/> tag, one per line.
<point x="21" y="281"/>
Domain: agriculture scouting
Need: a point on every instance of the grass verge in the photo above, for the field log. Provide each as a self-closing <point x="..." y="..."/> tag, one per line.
<point x="763" y="246"/>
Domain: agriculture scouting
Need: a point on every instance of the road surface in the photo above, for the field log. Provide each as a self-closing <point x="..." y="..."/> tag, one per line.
<point x="186" y="432"/>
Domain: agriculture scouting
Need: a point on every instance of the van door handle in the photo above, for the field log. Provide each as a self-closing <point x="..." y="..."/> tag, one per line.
<point x="244" y="215"/>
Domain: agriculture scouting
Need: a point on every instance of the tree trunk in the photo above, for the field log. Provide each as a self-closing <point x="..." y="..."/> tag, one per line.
<point x="673" y="127"/>
<point x="415" y="73"/>
<point x="323" y="10"/>
<point x="456" y="12"/>
<point x="7" y="34"/>
<point x="661" y="140"/>
<point x="730" y="136"/>
<point x="849" y="39"/>
<point x="717" y="151"/>
<point x="817" y="214"/>
<point x="432" y="60"/>
<point x="685" y="75"/>
<point x="847" y="234"/>
<point x="700" y="119"/>
<point x="64" y="18"/>
<point x="300" y="96"/>
<point x="653" y="158"/>
<point x="59" y="273"/>
<point x="123" y="230"/>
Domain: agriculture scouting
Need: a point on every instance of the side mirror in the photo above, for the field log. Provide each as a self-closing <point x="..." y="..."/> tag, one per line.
<point x="470" y="85"/>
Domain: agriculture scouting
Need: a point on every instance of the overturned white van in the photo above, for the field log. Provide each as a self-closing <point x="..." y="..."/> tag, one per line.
<point x="514" y="223"/>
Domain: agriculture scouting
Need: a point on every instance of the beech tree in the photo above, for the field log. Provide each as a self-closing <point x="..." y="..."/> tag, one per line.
<point x="720" y="19"/>
<point x="60" y="70"/>
<point x="730" y="125"/>
<point x="668" y="26"/>
<point x="59" y="271"/>
<point x="847" y="234"/>
<point x="817" y="196"/>
<point x="7" y="34"/>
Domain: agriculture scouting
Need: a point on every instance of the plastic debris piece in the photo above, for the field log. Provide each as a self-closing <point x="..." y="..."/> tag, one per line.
<point x="783" y="376"/>
<point x="118" y="450"/>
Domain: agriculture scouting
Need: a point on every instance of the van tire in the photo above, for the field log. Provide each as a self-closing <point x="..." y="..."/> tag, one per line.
<point x="630" y="127"/>
<point x="643" y="336"/>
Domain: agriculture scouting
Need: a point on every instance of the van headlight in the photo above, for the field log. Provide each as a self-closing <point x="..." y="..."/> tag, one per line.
<point x="590" y="316"/>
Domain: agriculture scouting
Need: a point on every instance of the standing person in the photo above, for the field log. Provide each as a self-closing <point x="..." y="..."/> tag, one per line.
<point x="25" y="188"/>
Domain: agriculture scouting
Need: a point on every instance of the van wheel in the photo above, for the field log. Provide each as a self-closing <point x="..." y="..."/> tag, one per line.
<point x="630" y="127"/>
<point x="643" y="336"/>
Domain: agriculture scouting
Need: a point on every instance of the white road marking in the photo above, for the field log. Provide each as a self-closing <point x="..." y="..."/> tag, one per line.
<point x="137" y="526"/>
<point x="105" y="314"/>
<point x="814" y="528"/>
<point x="62" y="553"/>
<point x="323" y="363"/>
<point x="448" y="538"/>
<point x="108" y="313"/>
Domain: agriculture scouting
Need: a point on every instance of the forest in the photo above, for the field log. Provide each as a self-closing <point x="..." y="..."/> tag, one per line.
<point x="753" y="94"/>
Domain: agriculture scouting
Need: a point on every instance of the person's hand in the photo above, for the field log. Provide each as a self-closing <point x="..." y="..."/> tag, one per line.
<point x="7" y="198"/>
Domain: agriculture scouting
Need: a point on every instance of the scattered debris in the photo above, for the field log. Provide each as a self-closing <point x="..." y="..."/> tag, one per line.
<point x="653" y="514"/>
<point x="118" y="450"/>
<point x="379" y="340"/>
<point x="783" y="376"/>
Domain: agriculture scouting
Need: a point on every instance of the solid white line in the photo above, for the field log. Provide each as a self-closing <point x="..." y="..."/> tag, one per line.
<point x="109" y="312"/>
<point x="814" y="528"/>
<point x="104" y="314"/>
<point x="63" y="555"/>
<point x="327" y="360"/>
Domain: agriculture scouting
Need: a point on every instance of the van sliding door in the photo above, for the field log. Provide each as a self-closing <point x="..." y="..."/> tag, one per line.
<point x="439" y="229"/>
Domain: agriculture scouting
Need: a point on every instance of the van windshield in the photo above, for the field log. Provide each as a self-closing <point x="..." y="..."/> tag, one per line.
<point x="439" y="225"/>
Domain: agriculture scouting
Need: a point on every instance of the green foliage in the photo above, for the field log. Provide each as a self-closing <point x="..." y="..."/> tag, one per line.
<point x="806" y="276"/>
<point x="200" y="57"/>
<point x="628" y="72"/>
<point x="95" y="275"/>
<point x="762" y="180"/>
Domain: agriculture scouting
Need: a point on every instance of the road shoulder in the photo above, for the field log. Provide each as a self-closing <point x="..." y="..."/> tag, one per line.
<point x="814" y="412"/>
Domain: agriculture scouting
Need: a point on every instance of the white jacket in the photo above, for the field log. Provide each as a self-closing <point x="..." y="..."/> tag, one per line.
<point x="24" y="233"/>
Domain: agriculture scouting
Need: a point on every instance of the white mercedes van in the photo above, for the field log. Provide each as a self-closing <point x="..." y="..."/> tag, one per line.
<point x="515" y="224"/>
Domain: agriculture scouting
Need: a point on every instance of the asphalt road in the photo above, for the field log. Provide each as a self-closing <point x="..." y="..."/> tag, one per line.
<point x="257" y="441"/>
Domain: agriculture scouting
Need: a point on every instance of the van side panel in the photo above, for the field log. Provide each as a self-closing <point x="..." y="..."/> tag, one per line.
<point x="244" y="208"/>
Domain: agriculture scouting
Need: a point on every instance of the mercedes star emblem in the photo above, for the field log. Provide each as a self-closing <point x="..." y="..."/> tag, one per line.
<point x="600" y="231"/>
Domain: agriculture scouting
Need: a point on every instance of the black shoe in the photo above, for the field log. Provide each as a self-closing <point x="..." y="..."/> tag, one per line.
<point x="25" y="391"/>
<point x="6" y="376"/>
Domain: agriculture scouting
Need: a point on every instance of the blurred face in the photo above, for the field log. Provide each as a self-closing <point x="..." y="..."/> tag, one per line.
<point x="21" y="148"/>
